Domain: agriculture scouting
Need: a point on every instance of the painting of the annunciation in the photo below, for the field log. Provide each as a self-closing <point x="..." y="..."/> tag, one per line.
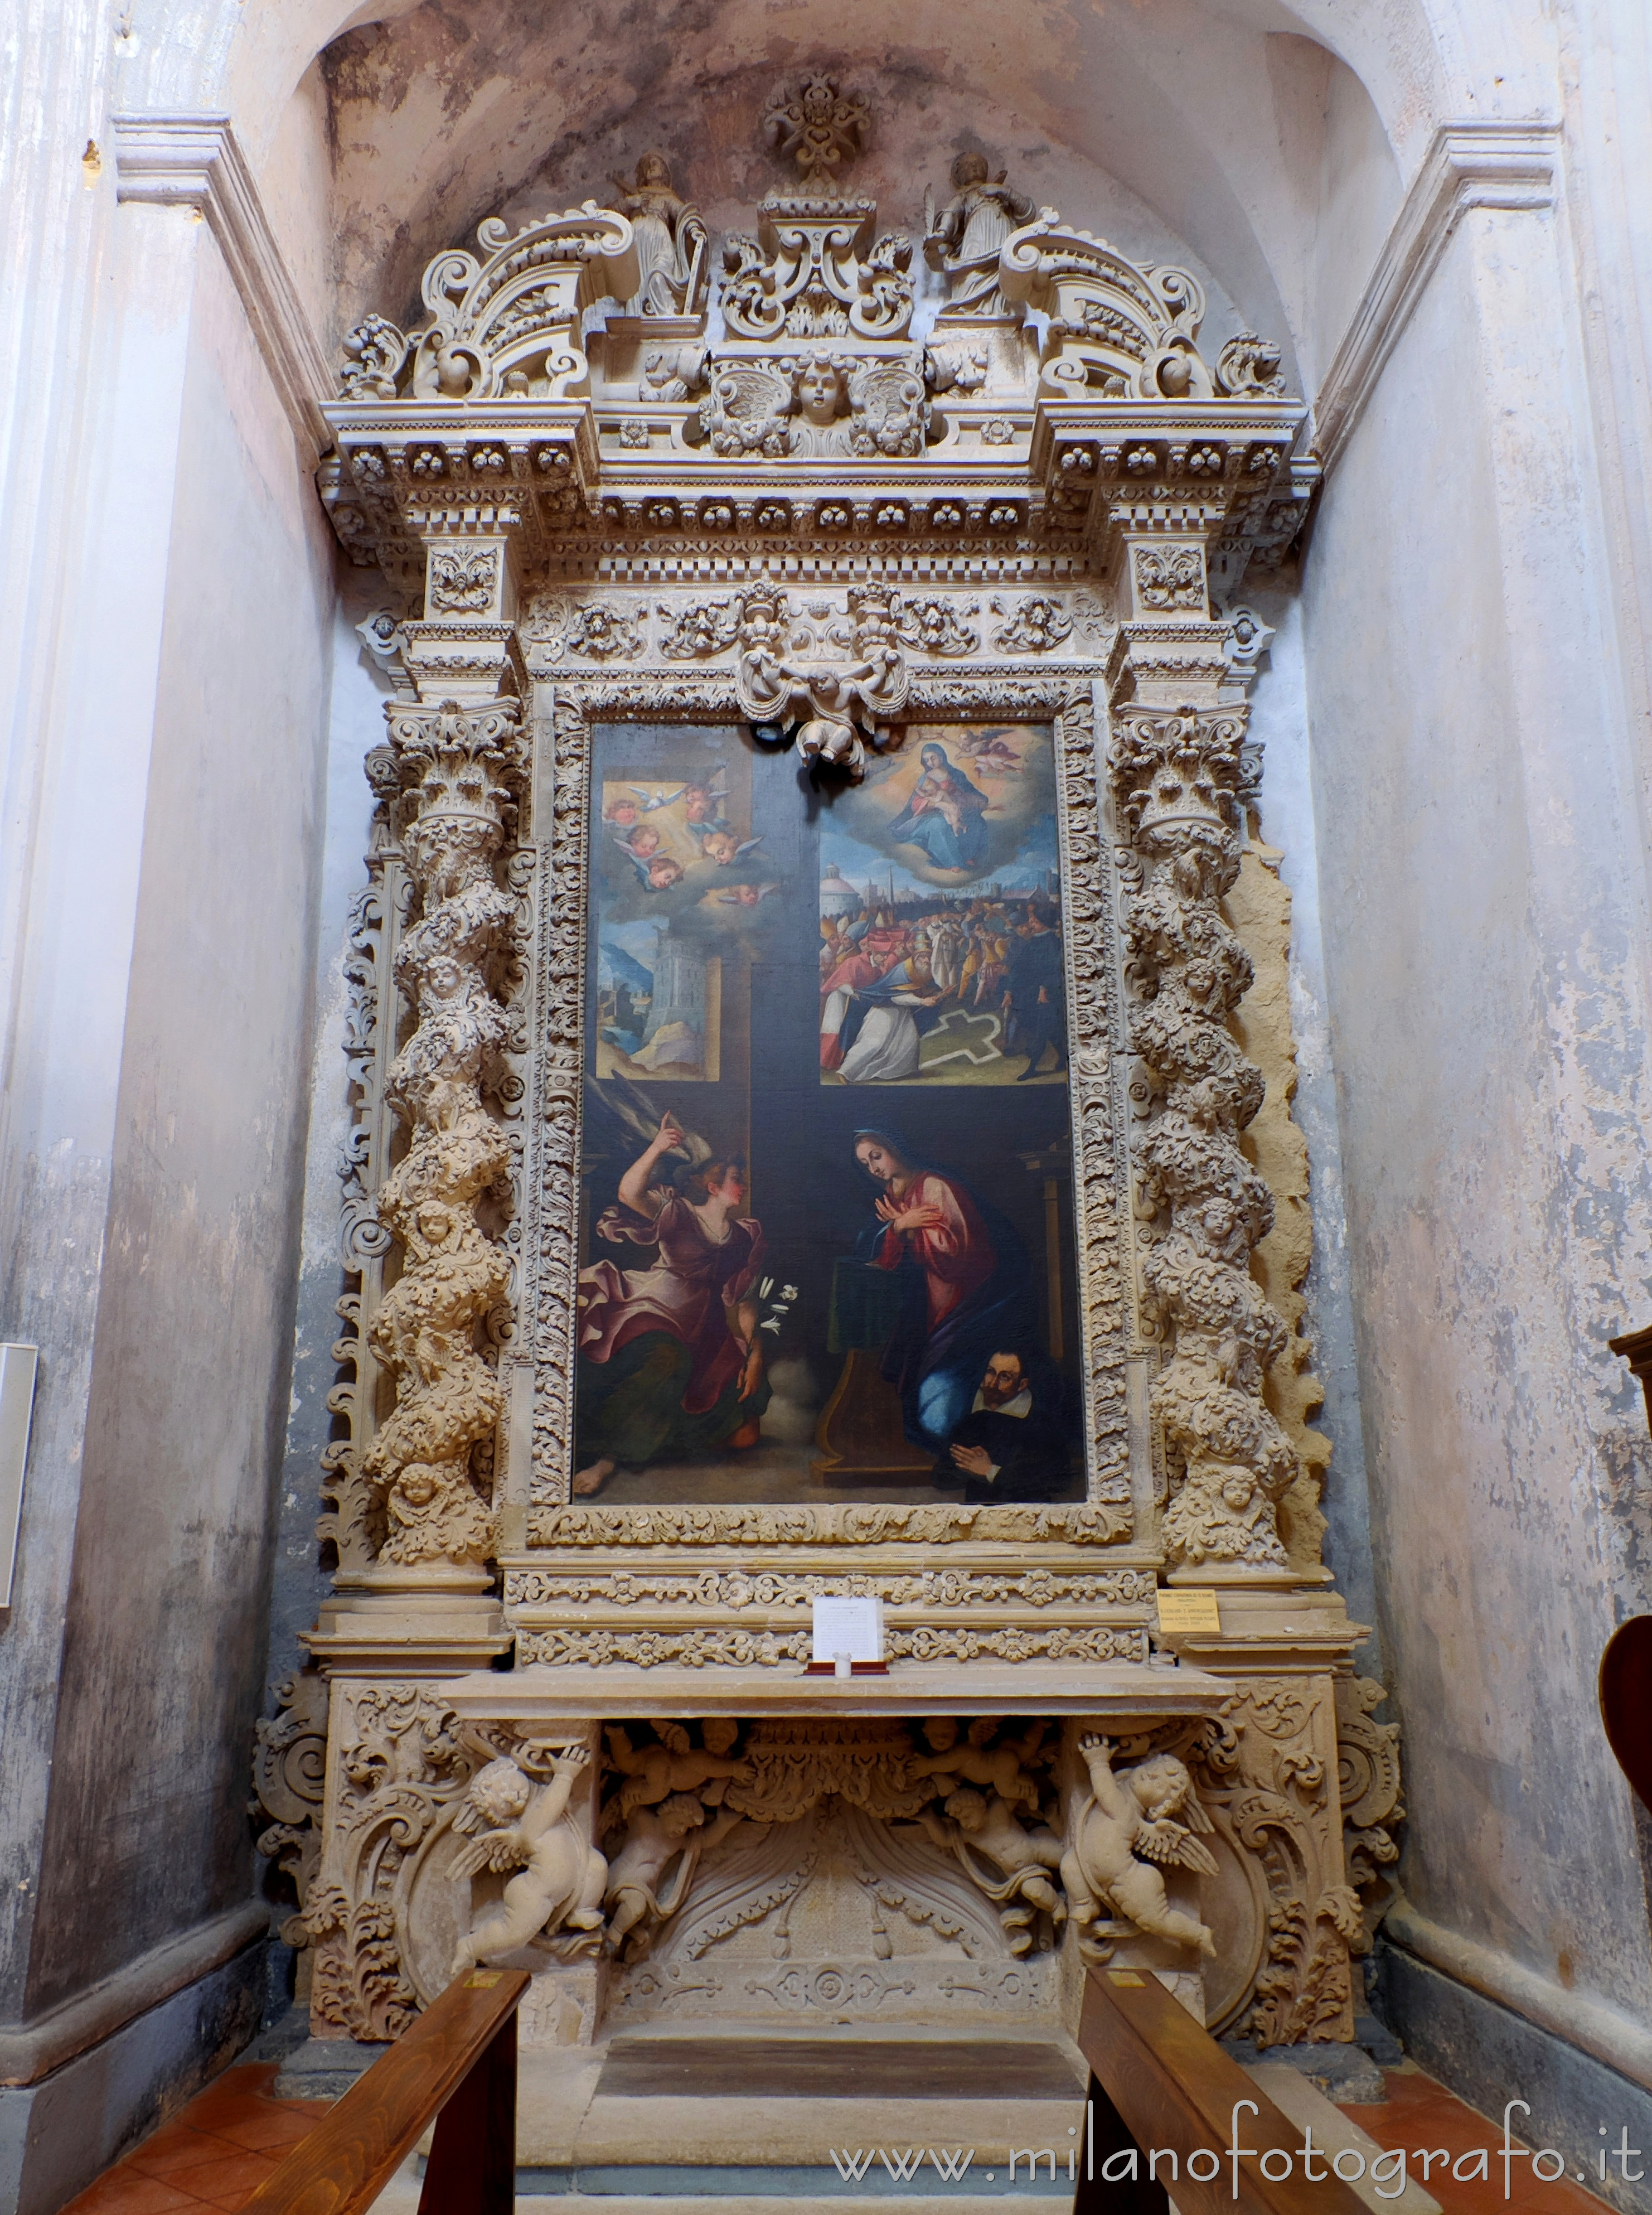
<point x="826" y="1224"/>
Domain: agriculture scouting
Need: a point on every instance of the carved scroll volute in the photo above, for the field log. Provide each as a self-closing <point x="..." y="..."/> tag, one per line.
<point x="1178" y="777"/>
<point x="459" y="770"/>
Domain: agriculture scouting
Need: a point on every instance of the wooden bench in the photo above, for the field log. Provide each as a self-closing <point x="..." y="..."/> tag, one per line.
<point x="1159" y="2081"/>
<point x="458" y="2062"/>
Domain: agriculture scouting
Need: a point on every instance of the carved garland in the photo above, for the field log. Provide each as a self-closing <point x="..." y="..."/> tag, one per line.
<point x="1065" y="698"/>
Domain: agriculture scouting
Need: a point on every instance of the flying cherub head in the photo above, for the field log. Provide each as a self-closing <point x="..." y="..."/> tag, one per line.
<point x="968" y="1809"/>
<point x="499" y="1793"/>
<point x="1162" y="1785"/>
<point x="680" y="1813"/>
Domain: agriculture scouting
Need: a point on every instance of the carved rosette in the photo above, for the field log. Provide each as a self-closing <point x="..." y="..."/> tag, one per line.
<point x="1178" y="777"/>
<point x="459" y="772"/>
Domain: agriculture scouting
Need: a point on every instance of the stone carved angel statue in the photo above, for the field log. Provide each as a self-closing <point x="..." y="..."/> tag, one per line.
<point x="965" y="238"/>
<point x="1002" y="1857"/>
<point x="977" y="1761"/>
<point x="652" y="1773"/>
<point x="1121" y="1832"/>
<point x="514" y="1824"/>
<point x="671" y="241"/>
<point x="649" y="1877"/>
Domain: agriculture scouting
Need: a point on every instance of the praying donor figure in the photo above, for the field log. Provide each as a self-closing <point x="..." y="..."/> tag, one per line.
<point x="1012" y="1445"/>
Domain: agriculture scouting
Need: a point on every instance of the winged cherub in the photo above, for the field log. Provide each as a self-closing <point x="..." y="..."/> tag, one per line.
<point x="653" y="1772"/>
<point x="998" y="1767"/>
<point x="639" y="1890"/>
<point x="561" y="1875"/>
<point x="1122" y="1818"/>
<point x="1010" y="1863"/>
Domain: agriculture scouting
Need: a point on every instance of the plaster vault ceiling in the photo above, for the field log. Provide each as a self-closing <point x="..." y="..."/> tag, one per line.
<point x="1173" y="127"/>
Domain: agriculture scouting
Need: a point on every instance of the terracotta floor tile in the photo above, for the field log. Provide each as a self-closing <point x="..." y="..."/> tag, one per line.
<point x="239" y="2173"/>
<point x="267" y="2128"/>
<point x="122" y="2191"/>
<point x="1423" y="2116"/>
<point x="177" y="2148"/>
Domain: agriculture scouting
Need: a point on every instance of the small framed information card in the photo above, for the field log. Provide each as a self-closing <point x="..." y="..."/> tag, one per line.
<point x="1188" y="1607"/>
<point x="848" y="1637"/>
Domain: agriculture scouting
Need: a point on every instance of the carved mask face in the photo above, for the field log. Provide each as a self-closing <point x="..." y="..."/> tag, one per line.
<point x="820" y="393"/>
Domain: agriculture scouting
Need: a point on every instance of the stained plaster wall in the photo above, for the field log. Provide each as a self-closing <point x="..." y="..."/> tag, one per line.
<point x="1483" y="913"/>
<point x="169" y="1086"/>
<point x="1279" y="723"/>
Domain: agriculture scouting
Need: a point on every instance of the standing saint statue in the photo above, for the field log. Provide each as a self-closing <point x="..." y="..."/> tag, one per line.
<point x="967" y="236"/>
<point x="667" y="231"/>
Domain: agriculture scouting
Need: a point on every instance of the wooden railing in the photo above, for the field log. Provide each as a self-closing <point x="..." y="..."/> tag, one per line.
<point x="458" y="2064"/>
<point x="1159" y="2082"/>
<point x="1161" y="2089"/>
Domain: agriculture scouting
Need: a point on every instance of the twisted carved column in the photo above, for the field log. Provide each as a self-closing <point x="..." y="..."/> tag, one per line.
<point x="1179" y="777"/>
<point x="459" y="769"/>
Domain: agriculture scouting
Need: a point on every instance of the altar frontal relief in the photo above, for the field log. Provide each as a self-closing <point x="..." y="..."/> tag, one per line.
<point x="826" y="1241"/>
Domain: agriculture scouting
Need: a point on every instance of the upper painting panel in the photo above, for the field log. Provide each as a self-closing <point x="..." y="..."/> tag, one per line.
<point x="940" y="914"/>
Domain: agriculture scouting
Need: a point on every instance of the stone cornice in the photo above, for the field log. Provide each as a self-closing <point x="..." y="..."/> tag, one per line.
<point x="1471" y="164"/>
<point x="196" y="161"/>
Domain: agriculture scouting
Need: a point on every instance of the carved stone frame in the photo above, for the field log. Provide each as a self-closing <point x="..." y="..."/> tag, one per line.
<point x="1119" y="1508"/>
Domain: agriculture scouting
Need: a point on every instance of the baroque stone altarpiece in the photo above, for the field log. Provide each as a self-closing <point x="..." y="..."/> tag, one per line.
<point x="605" y="483"/>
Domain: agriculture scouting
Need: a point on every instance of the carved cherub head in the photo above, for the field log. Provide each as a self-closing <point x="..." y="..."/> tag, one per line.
<point x="1162" y="1785"/>
<point x="720" y="1733"/>
<point x="968" y="1809"/>
<point x="680" y="1813"/>
<point x="499" y="1793"/>
<point x="941" y="1731"/>
<point x="822" y="387"/>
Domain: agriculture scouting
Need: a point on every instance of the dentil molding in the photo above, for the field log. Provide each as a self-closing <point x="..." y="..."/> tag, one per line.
<point x="1471" y="164"/>
<point x="196" y="161"/>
